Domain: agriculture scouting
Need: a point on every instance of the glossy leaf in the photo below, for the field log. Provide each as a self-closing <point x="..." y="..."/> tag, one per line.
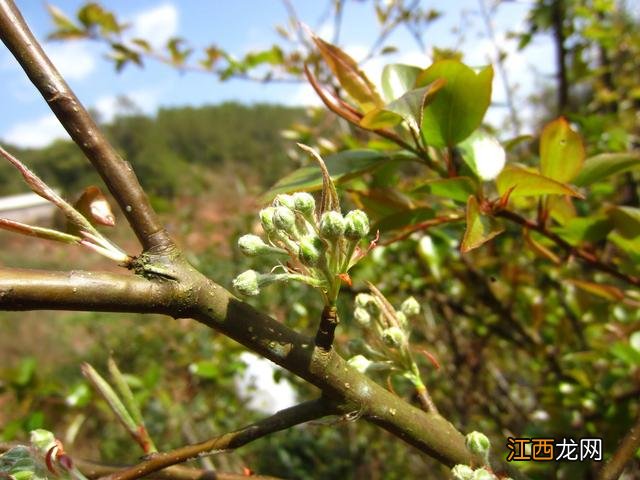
<point x="561" y="151"/>
<point x="409" y="107"/>
<point x="585" y="229"/>
<point x="480" y="228"/>
<point x="398" y="79"/>
<point x="342" y="166"/>
<point x="560" y="208"/>
<point x="483" y="154"/>
<point x="459" y="107"/>
<point x="351" y="78"/>
<point x="455" y="188"/>
<point x="604" y="165"/>
<point x="526" y="183"/>
<point x="626" y="221"/>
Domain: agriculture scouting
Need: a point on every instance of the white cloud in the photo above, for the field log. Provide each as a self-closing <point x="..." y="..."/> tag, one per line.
<point x="109" y="106"/>
<point x="74" y="59"/>
<point x="257" y="385"/>
<point x="35" y="133"/>
<point x="157" y="24"/>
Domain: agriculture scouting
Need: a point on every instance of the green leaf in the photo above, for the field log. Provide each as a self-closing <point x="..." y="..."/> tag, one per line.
<point x="205" y="369"/>
<point x="585" y="229"/>
<point x="480" y="228"/>
<point x="626" y="221"/>
<point x="342" y="166"/>
<point x="561" y="151"/>
<point x="626" y="353"/>
<point x="25" y="372"/>
<point x="351" y="78"/>
<point x="65" y="28"/>
<point x="409" y="107"/>
<point x="459" y="107"/>
<point x="604" y="165"/>
<point x="483" y="154"/>
<point x="526" y="183"/>
<point x="403" y="219"/>
<point x="455" y="188"/>
<point x="398" y="79"/>
<point x="273" y="56"/>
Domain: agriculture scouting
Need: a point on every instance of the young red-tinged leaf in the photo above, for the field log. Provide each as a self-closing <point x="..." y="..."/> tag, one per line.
<point x="480" y="228"/>
<point x="409" y="107"/>
<point x="329" y="199"/>
<point x="459" y="107"/>
<point x="351" y="78"/>
<point x="539" y="249"/>
<point x="455" y="188"/>
<point x="39" y="232"/>
<point x="604" y="165"/>
<point x="608" y="292"/>
<point x="561" y="151"/>
<point x="95" y="207"/>
<point x="527" y="183"/>
<point x="398" y="79"/>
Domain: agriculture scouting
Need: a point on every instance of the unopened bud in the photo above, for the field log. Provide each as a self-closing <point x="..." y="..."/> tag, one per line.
<point x="462" y="472"/>
<point x="356" y="225"/>
<point x="410" y="307"/>
<point x="332" y="225"/>
<point x="363" y="299"/>
<point x="284" y="219"/>
<point x="393" y="337"/>
<point x="253" y="245"/>
<point x="402" y="320"/>
<point x="483" y="474"/>
<point x="42" y="439"/>
<point x="266" y="218"/>
<point x="304" y="203"/>
<point x="360" y="363"/>
<point x="309" y="252"/>
<point x="284" y="200"/>
<point x="478" y="443"/>
<point x="248" y="283"/>
<point x="362" y="316"/>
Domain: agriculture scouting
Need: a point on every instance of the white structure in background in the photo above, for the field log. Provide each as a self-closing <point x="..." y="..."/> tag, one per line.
<point x="259" y="388"/>
<point x="27" y="208"/>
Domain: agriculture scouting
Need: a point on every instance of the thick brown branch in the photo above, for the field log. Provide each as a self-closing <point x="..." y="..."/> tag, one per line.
<point x="280" y="421"/>
<point x="588" y="258"/>
<point x="625" y="452"/>
<point x="117" y="174"/>
<point x="90" y="291"/>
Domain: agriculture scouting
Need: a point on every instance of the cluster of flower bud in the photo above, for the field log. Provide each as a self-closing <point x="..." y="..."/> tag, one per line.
<point x="478" y="444"/>
<point x="317" y="248"/>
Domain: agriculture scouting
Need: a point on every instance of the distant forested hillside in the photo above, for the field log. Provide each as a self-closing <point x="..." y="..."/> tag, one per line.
<point x="174" y="150"/>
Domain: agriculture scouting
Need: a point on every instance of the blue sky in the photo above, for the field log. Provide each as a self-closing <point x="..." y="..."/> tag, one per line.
<point x="240" y="26"/>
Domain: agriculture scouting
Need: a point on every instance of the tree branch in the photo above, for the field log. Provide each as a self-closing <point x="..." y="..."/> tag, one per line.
<point x="587" y="257"/>
<point x="625" y="452"/>
<point x="229" y="441"/>
<point x="117" y="174"/>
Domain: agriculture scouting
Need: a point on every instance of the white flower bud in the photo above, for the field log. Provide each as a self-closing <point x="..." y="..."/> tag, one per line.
<point x="284" y="219"/>
<point x="266" y="218"/>
<point x="284" y="200"/>
<point x="410" y="307"/>
<point x="248" y="283"/>
<point x="462" y="472"/>
<point x="360" y="363"/>
<point x="253" y="245"/>
<point x="362" y="316"/>
<point x="356" y="225"/>
<point x="304" y="203"/>
<point x="393" y="337"/>
<point x="478" y="443"/>
<point x="332" y="225"/>
<point x="363" y="299"/>
<point x="483" y="474"/>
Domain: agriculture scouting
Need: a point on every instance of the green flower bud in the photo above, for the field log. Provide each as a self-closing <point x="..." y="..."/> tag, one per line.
<point x="253" y="245"/>
<point x="266" y="218"/>
<point x="462" y="472"/>
<point x="284" y="219"/>
<point x="482" y="474"/>
<point x="356" y="225"/>
<point x="360" y="363"/>
<point x="410" y="307"/>
<point x="402" y="320"/>
<point x="247" y="283"/>
<point x="478" y="443"/>
<point x="284" y="200"/>
<point x="309" y="252"/>
<point x="393" y="337"/>
<point x="363" y="299"/>
<point x="362" y="316"/>
<point x="42" y="439"/>
<point x="332" y="225"/>
<point x="304" y="203"/>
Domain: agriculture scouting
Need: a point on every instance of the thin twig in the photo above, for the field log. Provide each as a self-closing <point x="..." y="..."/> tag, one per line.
<point x="625" y="452"/>
<point x="282" y="420"/>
